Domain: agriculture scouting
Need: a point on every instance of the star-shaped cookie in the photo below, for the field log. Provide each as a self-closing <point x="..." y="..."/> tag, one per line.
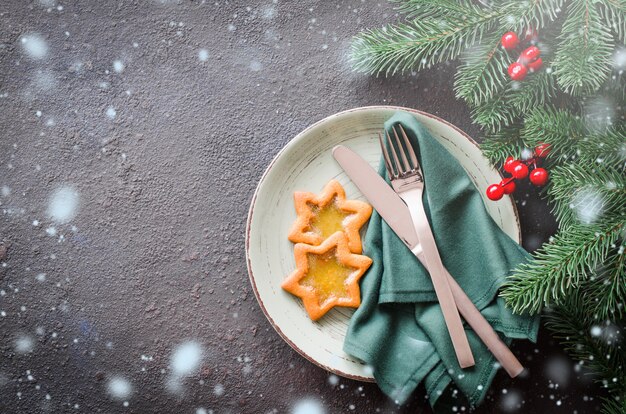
<point x="320" y="216"/>
<point x="327" y="275"/>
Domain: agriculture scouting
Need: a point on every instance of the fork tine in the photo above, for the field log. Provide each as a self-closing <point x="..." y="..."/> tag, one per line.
<point x="394" y="153"/>
<point x="409" y="148"/>
<point x="390" y="171"/>
<point x="406" y="167"/>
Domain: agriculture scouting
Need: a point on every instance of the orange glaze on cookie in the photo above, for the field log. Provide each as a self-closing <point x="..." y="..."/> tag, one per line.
<point x="320" y="216"/>
<point x="327" y="275"/>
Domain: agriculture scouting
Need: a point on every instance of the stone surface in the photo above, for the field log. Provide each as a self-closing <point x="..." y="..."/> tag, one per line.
<point x="154" y="120"/>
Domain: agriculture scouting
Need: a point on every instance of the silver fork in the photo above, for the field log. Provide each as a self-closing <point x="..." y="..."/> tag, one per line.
<point x="408" y="182"/>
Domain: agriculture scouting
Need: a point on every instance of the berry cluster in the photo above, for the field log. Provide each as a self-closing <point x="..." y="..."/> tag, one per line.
<point x="519" y="170"/>
<point x="529" y="59"/>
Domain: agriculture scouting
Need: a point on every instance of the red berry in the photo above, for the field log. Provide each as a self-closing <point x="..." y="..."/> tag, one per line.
<point x="542" y="150"/>
<point x="509" y="164"/>
<point x="508" y="187"/>
<point x="539" y="176"/>
<point x="535" y="66"/>
<point x="517" y="71"/>
<point x="495" y="192"/>
<point x="531" y="35"/>
<point x="520" y="171"/>
<point x="510" y="41"/>
<point x="530" y="54"/>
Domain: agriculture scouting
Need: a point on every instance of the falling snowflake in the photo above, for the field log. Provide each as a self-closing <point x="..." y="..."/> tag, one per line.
<point x="63" y="205"/>
<point x="308" y="406"/>
<point x="34" y="46"/>
<point x="119" y="388"/>
<point x="588" y="205"/>
<point x="118" y="66"/>
<point x="186" y="358"/>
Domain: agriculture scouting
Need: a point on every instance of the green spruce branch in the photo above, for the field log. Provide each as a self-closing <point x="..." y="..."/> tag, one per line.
<point x="605" y="293"/>
<point x="561" y="265"/>
<point x="580" y="187"/>
<point x="601" y="352"/>
<point x="581" y="273"/>
<point x="502" y="144"/>
<point x="481" y="73"/>
<point x="584" y="55"/>
<point x="614" y="14"/>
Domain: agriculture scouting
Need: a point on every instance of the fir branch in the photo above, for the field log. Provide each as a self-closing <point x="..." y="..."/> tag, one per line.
<point x="605" y="293"/>
<point x="517" y="99"/>
<point x="583" y="58"/>
<point x="437" y="9"/>
<point x="579" y="189"/>
<point x="570" y="139"/>
<point x="614" y="14"/>
<point x="529" y="14"/>
<point x="559" y="128"/>
<point x="482" y="72"/>
<point x="498" y="146"/>
<point x="494" y="114"/>
<point x="560" y="266"/>
<point x="418" y="44"/>
<point x="535" y="92"/>
<point x="614" y="405"/>
<point x="571" y="323"/>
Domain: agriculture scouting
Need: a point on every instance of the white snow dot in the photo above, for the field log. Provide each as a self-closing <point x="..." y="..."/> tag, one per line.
<point x="41" y="277"/>
<point x="63" y="205"/>
<point x="511" y="401"/>
<point x="588" y="204"/>
<point x="51" y="231"/>
<point x="24" y="344"/>
<point x="118" y="66"/>
<point x="201" y="411"/>
<point x="119" y="388"/>
<point x="5" y="191"/>
<point x="231" y="28"/>
<point x="619" y="58"/>
<point x="186" y="358"/>
<point x="527" y="154"/>
<point x="333" y="380"/>
<point x="596" y="331"/>
<point x="268" y="12"/>
<point x="308" y="406"/>
<point x="218" y="390"/>
<point x="203" y="55"/>
<point x="111" y="112"/>
<point x="34" y="45"/>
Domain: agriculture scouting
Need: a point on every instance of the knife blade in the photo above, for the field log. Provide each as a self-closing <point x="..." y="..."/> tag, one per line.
<point x="382" y="197"/>
<point x="396" y="214"/>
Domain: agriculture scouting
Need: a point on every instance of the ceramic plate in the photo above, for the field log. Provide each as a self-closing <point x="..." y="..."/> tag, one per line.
<point x="306" y="164"/>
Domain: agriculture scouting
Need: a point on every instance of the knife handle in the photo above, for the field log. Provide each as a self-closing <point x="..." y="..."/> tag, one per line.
<point x="413" y="199"/>
<point x="484" y="330"/>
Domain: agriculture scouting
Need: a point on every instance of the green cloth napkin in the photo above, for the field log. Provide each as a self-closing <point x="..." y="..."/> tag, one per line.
<point x="399" y="329"/>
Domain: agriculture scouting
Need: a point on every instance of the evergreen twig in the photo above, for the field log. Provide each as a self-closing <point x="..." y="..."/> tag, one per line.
<point x="602" y="354"/>
<point x="561" y="265"/>
<point x="584" y="55"/>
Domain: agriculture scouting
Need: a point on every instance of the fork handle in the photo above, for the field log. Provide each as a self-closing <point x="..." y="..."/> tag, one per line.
<point x="413" y="199"/>
<point x="471" y="314"/>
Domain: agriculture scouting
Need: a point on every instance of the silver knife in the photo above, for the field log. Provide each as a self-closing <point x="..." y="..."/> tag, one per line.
<point x="396" y="214"/>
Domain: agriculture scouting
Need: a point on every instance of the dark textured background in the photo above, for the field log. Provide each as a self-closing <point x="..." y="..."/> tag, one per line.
<point x="155" y="254"/>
